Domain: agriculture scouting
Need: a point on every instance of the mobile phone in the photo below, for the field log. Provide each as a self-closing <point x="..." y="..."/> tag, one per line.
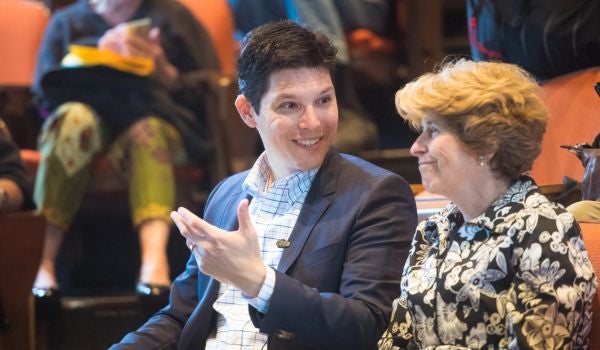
<point x="597" y="87"/>
<point x="570" y="148"/>
<point x="577" y="147"/>
<point x="140" y="27"/>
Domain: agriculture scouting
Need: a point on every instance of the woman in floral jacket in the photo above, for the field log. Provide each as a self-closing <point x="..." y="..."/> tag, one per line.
<point x="501" y="267"/>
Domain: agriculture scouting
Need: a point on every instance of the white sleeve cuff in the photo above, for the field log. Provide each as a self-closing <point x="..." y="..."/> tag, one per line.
<point x="261" y="302"/>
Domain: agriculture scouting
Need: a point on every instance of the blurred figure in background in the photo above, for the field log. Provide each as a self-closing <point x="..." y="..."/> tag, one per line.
<point x="546" y="37"/>
<point x="145" y="124"/>
<point x="588" y="209"/>
<point x="15" y="191"/>
<point x="501" y="266"/>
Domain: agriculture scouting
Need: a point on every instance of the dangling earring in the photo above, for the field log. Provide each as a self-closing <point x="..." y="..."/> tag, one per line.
<point x="483" y="160"/>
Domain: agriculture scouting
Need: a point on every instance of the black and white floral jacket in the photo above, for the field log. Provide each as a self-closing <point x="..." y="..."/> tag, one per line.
<point x="516" y="277"/>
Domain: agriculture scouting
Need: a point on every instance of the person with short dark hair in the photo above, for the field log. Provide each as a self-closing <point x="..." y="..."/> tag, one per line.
<point x="357" y="130"/>
<point x="501" y="267"/>
<point x="302" y="250"/>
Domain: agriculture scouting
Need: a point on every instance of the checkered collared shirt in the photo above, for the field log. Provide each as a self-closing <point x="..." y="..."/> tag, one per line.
<point x="274" y="214"/>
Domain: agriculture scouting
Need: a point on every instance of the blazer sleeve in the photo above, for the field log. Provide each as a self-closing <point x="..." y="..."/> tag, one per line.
<point x="355" y="316"/>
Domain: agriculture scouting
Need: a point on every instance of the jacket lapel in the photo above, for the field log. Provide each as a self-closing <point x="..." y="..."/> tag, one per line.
<point x="314" y="207"/>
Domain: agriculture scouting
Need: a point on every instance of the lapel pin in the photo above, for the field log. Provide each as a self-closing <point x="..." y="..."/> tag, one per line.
<point x="283" y="243"/>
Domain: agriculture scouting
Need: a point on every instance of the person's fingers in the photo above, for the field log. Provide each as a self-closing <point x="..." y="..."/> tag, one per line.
<point x="138" y="47"/>
<point x="178" y="222"/>
<point x="154" y="35"/>
<point x="199" y="227"/>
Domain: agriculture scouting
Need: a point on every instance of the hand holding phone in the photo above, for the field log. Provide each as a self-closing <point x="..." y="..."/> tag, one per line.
<point x="140" y="27"/>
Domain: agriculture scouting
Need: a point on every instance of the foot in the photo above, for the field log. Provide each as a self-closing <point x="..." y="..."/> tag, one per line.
<point x="152" y="291"/>
<point x="155" y="274"/>
<point x="45" y="278"/>
<point x="45" y="287"/>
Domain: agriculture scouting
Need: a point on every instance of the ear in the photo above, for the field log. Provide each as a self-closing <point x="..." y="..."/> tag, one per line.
<point x="244" y="108"/>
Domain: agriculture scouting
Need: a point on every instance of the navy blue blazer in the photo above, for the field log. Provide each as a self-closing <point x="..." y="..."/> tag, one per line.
<point x="336" y="282"/>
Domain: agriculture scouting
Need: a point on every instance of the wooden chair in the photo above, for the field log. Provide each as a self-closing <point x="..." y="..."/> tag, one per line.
<point x="22" y="237"/>
<point x="574" y="118"/>
<point x="591" y="237"/>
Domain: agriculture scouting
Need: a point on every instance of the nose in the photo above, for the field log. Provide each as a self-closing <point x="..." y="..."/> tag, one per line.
<point x="309" y="119"/>
<point x="418" y="148"/>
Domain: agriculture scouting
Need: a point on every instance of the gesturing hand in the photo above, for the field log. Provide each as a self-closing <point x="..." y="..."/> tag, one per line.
<point x="230" y="257"/>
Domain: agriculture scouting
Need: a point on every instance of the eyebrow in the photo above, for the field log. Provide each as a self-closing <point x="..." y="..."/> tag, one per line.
<point x="328" y="89"/>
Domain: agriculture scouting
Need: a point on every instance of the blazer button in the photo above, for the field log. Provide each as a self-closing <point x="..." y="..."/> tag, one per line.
<point x="281" y="334"/>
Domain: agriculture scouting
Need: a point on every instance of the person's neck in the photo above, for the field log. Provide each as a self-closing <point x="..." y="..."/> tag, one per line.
<point x="474" y="199"/>
<point x="115" y="15"/>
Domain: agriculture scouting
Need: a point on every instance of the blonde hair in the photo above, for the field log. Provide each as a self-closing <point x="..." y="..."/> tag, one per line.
<point x="493" y="108"/>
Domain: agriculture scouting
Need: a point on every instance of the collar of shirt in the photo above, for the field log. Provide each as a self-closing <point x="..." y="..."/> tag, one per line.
<point x="497" y="217"/>
<point x="292" y="187"/>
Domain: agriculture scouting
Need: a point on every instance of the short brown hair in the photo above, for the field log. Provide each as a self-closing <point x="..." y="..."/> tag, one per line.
<point x="491" y="107"/>
<point x="280" y="45"/>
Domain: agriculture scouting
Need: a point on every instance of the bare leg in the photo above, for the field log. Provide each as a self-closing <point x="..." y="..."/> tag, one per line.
<point x="46" y="276"/>
<point x="154" y="237"/>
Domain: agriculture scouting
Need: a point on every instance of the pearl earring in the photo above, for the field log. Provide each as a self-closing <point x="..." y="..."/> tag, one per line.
<point x="483" y="160"/>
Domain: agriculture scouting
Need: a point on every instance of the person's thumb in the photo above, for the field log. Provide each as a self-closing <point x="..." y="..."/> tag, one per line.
<point x="154" y="34"/>
<point x="243" y="215"/>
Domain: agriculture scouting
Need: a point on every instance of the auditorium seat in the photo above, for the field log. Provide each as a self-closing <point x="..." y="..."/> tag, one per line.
<point x="574" y="111"/>
<point x="239" y="141"/>
<point x="18" y="42"/>
<point x="22" y="24"/>
<point x="216" y="17"/>
<point x="22" y="237"/>
<point x="591" y="237"/>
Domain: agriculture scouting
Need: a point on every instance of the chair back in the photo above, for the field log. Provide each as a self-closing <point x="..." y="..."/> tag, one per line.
<point x="22" y="237"/>
<point x="591" y="237"/>
<point x="574" y="111"/>
<point x="216" y="17"/>
<point x="22" y="24"/>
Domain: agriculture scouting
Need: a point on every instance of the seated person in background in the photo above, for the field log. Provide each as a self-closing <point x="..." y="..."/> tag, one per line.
<point x="15" y="192"/>
<point x="588" y="210"/>
<point x="501" y="266"/>
<point x="297" y="252"/>
<point x="547" y="38"/>
<point x="142" y="125"/>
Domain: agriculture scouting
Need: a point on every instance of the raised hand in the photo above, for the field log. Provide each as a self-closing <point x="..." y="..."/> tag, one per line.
<point x="230" y="257"/>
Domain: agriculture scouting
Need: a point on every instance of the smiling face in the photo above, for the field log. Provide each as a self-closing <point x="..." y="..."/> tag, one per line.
<point x="297" y="120"/>
<point x="445" y="163"/>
